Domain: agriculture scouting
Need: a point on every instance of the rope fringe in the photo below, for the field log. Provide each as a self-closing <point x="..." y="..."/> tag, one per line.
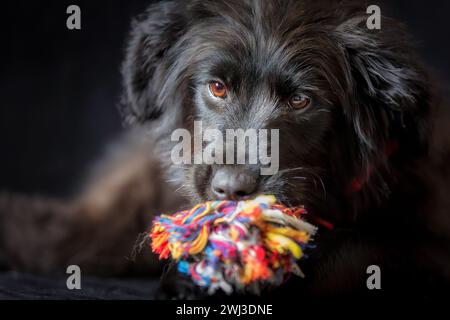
<point x="234" y="245"/>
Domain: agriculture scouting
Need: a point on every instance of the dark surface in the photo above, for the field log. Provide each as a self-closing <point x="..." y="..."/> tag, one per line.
<point x="23" y="286"/>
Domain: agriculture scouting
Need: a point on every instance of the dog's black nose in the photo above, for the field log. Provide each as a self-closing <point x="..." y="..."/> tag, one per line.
<point x="233" y="183"/>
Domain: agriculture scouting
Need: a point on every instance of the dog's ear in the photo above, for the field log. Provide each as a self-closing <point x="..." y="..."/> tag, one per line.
<point x="152" y="36"/>
<point x="387" y="94"/>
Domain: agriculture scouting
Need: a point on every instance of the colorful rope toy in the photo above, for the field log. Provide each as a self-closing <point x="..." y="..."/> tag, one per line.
<point x="234" y="245"/>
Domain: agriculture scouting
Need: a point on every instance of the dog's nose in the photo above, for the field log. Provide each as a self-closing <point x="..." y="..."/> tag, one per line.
<point x="232" y="183"/>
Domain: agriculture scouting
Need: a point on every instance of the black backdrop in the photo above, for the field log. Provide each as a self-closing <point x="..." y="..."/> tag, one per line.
<point x="59" y="88"/>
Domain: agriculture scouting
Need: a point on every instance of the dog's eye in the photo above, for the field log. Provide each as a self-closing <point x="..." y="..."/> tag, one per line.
<point x="299" y="101"/>
<point x="218" y="89"/>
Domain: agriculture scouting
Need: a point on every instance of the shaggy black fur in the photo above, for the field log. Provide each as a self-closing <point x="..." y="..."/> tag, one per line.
<point x="367" y="92"/>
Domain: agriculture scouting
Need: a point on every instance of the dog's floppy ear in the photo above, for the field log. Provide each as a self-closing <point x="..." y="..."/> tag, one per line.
<point x="386" y="90"/>
<point x="153" y="34"/>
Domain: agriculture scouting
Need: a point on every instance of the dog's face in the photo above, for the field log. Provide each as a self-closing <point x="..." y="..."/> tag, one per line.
<point x="254" y="79"/>
<point x="336" y="91"/>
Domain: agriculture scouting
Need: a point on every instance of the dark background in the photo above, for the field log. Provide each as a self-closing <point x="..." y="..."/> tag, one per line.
<point x="59" y="89"/>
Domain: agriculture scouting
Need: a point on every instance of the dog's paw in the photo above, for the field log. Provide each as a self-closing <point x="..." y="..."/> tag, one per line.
<point x="176" y="287"/>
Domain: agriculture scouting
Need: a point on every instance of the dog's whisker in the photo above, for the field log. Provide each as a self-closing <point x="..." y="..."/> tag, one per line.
<point x="299" y="178"/>
<point x="180" y="188"/>
<point x="291" y="169"/>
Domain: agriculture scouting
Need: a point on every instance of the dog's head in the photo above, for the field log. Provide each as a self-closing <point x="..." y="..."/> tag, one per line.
<point x="338" y="93"/>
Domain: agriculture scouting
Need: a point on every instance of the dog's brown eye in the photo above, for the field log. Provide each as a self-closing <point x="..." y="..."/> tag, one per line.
<point x="218" y="89"/>
<point x="299" y="101"/>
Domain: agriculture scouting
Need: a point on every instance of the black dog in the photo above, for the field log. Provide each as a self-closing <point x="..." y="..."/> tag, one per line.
<point x="363" y="139"/>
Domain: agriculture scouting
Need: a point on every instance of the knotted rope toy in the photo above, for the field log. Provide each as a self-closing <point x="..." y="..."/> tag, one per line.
<point x="234" y="245"/>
